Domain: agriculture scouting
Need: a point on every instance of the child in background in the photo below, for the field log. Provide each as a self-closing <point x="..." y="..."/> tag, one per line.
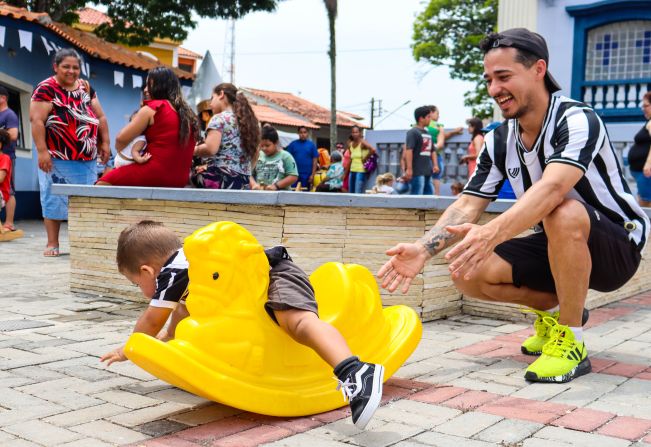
<point x="384" y="184"/>
<point x="275" y="169"/>
<point x="135" y="152"/>
<point x="334" y="180"/>
<point x="151" y="256"/>
<point x="5" y="169"/>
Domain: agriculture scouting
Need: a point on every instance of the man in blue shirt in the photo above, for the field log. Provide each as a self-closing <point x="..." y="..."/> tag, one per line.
<point x="9" y="122"/>
<point x="306" y="156"/>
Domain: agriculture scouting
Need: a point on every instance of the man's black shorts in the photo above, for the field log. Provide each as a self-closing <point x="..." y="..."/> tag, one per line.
<point x="615" y="258"/>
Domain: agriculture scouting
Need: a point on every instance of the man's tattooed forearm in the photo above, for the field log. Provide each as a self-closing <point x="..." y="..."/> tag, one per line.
<point x="438" y="238"/>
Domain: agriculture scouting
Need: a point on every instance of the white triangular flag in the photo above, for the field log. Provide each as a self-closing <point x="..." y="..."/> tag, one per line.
<point x="137" y="81"/>
<point x="47" y="46"/>
<point x="25" y="39"/>
<point x="2" y="36"/>
<point x="118" y="78"/>
<point x="88" y="69"/>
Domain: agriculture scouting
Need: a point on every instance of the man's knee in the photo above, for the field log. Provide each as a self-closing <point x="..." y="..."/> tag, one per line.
<point x="568" y="221"/>
<point x="494" y="271"/>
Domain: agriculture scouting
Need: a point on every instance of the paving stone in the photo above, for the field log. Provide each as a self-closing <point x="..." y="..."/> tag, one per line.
<point x="204" y="415"/>
<point x="385" y="435"/>
<point x="127" y="400"/>
<point x="436" y="439"/>
<point x="415" y="413"/>
<point x="304" y="439"/>
<point x="534" y="411"/>
<point x="160" y="428"/>
<point x="252" y="437"/>
<point x="579" y="439"/>
<point x="86" y="442"/>
<point x="85" y="415"/>
<point x="583" y="419"/>
<point x="42" y="432"/>
<point x="468" y="424"/>
<point x="626" y="427"/>
<point x="509" y="431"/>
<point x="147" y="414"/>
<point x="111" y="433"/>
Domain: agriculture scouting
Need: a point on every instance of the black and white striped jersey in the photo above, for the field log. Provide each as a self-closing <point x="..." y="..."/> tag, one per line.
<point x="572" y="133"/>
<point x="172" y="282"/>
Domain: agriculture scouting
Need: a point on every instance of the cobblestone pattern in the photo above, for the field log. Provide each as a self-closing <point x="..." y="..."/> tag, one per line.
<point x="463" y="386"/>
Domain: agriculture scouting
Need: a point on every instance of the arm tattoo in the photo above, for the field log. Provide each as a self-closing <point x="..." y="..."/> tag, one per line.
<point x="438" y="238"/>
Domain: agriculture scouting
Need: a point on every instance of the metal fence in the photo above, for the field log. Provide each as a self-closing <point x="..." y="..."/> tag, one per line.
<point x="457" y="147"/>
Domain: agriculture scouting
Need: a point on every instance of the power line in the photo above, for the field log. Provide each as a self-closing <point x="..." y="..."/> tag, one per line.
<point x="357" y="50"/>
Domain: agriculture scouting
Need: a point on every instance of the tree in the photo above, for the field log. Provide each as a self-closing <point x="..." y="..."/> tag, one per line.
<point x="331" y="7"/>
<point x="138" y="22"/>
<point x="448" y="33"/>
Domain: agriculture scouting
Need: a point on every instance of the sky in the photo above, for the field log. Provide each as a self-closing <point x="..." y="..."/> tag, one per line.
<point x="286" y="50"/>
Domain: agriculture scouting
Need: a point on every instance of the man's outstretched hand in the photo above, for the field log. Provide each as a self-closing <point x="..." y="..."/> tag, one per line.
<point x="407" y="261"/>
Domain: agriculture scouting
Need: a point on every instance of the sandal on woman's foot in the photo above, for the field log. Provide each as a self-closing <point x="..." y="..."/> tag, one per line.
<point x="8" y="227"/>
<point x="51" y="252"/>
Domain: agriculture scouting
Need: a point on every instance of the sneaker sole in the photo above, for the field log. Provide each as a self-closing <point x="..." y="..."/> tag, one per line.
<point x="579" y="370"/>
<point x="374" y="400"/>
<point x="584" y="319"/>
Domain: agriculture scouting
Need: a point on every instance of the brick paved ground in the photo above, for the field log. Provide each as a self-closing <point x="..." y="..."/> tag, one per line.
<point x="462" y="387"/>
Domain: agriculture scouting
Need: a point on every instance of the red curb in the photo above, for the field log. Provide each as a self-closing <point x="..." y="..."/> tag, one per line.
<point x="215" y="430"/>
<point x="584" y="419"/>
<point x="626" y="428"/>
<point x="471" y="399"/>
<point x="525" y="409"/>
<point x="253" y="437"/>
<point x="166" y="441"/>
<point x="624" y="369"/>
<point x="436" y="395"/>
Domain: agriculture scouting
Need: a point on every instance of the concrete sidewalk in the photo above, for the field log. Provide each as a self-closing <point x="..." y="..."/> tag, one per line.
<point x="464" y="385"/>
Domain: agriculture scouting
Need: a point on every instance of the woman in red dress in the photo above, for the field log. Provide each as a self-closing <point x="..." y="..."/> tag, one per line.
<point x="171" y="129"/>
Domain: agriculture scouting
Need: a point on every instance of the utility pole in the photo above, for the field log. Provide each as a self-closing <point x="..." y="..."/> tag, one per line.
<point x="379" y="110"/>
<point x="228" y="63"/>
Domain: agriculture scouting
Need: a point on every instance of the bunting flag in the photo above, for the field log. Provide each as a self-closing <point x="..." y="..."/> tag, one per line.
<point x="2" y="36"/>
<point x="25" y="39"/>
<point x="137" y="81"/>
<point x="118" y="78"/>
<point x="47" y="45"/>
<point x="87" y="68"/>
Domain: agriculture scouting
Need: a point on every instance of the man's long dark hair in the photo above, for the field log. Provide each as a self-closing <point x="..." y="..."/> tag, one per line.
<point x="162" y="83"/>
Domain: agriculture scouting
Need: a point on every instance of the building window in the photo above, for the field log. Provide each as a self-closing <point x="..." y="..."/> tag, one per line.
<point x="186" y="67"/>
<point x="619" y="51"/>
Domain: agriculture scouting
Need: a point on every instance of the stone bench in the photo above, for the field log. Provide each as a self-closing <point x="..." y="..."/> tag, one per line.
<point x="315" y="228"/>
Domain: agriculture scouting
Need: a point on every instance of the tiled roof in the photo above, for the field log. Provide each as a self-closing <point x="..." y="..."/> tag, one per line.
<point x="314" y="112"/>
<point x="88" y="42"/>
<point x="90" y="16"/>
<point x="184" y="52"/>
<point x="269" y="115"/>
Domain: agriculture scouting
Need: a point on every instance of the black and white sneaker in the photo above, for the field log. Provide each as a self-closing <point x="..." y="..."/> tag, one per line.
<point x="363" y="391"/>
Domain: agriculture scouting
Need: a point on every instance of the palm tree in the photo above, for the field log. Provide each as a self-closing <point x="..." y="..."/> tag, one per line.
<point x="331" y="7"/>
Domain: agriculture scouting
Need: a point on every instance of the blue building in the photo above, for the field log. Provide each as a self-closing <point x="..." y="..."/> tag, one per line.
<point x="28" y="42"/>
<point x="600" y="52"/>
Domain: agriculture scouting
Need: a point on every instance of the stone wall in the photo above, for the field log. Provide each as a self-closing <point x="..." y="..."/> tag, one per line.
<point x="313" y="235"/>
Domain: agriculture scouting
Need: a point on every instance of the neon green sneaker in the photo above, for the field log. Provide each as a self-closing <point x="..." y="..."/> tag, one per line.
<point x="534" y="344"/>
<point x="563" y="358"/>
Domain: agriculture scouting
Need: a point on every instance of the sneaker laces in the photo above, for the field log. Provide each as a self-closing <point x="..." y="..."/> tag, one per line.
<point x="541" y="327"/>
<point x="348" y="389"/>
<point x="559" y="344"/>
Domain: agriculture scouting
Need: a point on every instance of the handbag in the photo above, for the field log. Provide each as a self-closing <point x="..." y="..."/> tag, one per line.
<point x="370" y="165"/>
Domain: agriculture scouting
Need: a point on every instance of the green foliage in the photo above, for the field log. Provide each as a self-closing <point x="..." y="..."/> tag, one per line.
<point x="138" y="22"/>
<point x="448" y="33"/>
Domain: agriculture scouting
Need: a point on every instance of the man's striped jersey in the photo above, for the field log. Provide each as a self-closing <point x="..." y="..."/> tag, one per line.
<point x="572" y="133"/>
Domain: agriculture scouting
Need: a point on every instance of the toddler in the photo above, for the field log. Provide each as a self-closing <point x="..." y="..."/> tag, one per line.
<point x="151" y="256"/>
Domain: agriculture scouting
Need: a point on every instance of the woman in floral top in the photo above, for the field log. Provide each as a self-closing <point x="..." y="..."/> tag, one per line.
<point x="232" y="137"/>
<point x="69" y="130"/>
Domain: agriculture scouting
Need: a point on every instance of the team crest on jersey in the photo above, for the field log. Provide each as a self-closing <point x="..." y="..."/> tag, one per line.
<point x="513" y="172"/>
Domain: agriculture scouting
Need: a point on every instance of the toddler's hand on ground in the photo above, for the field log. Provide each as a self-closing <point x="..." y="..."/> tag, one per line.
<point x="117" y="355"/>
